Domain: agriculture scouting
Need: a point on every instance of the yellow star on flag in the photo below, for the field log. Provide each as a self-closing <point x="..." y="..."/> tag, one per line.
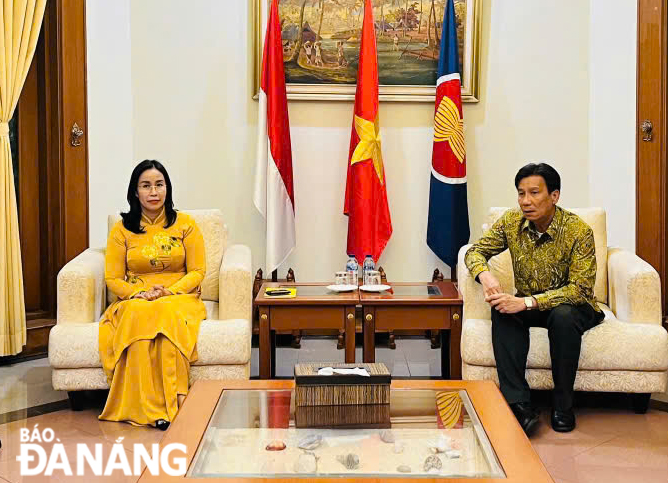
<point x="369" y="145"/>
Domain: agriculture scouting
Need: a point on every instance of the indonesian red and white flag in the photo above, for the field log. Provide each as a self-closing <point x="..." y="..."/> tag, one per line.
<point x="274" y="192"/>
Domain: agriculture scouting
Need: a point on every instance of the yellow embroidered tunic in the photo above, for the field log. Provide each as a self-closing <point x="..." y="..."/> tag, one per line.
<point x="146" y="347"/>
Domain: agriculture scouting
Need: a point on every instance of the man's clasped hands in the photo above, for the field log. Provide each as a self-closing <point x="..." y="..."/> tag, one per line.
<point x="503" y="302"/>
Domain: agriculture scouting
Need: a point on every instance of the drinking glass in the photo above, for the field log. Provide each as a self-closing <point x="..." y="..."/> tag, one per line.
<point x="341" y="278"/>
<point x="372" y="277"/>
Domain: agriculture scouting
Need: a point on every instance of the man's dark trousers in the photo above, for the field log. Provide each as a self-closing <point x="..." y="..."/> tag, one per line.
<point x="565" y="325"/>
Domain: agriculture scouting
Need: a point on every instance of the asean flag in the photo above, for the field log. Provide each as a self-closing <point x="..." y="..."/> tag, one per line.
<point x="448" y="225"/>
<point x="274" y="191"/>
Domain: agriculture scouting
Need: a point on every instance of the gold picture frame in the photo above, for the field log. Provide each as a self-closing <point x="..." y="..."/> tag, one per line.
<point x="323" y="90"/>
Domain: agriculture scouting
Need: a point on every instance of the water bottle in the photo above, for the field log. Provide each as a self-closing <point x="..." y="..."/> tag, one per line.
<point x="369" y="264"/>
<point x="352" y="266"/>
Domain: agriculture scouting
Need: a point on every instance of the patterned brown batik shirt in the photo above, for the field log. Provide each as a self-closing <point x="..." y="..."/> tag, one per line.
<point x="557" y="267"/>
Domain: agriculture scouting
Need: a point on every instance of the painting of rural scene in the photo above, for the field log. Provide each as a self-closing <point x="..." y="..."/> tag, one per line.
<point x="321" y="39"/>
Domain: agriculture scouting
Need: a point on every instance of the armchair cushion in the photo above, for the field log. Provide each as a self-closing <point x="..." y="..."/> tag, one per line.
<point x="613" y="345"/>
<point x="214" y="232"/>
<point x="73" y="346"/>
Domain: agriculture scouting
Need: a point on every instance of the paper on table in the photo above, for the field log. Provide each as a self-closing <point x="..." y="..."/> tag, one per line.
<point x="329" y="371"/>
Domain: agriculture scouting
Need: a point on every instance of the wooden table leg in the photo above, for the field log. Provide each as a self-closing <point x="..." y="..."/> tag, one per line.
<point x="296" y="339"/>
<point x="435" y="338"/>
<point x="350" y="334"/>
<point x="445" y="354"/>
<point x="455" y="343"/>
<point x="272" y="358"/>
<point x="265" y="344"/>
<point x="369" y="324"/>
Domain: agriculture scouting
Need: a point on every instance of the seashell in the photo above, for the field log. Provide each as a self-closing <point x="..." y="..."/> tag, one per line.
<point x="350" y="461"/>
<point x="306" y="463"/>
<point x="276" y="445"/>
<point x="387" y="436"/>
<point x="432" y="461"/>
<point x="403" y="469"/>
<point x="453" y="453"/>
<point x="312" y="441"/>
<point x="399" y="447"/>
<point x="443" y="444"/>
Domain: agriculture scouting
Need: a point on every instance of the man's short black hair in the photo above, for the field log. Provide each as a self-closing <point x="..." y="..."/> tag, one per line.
<point x="549" y="174"/>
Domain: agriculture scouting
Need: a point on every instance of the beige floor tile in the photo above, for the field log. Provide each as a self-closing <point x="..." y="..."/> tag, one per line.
<point x="573" y="472"/>
<point x="27" y="384"/>
<point x="622" y="422"/>
<point x="583" y="432"/>
<point x="124" y="433"/>
<point x="624" y="451"/>
<point x="553" y="452"/>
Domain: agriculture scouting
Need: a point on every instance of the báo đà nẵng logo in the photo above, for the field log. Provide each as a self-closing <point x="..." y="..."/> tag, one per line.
<point x="35" y="460"/>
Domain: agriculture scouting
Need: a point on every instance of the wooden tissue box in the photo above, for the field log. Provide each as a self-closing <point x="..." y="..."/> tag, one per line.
<point x="339" y="389"/>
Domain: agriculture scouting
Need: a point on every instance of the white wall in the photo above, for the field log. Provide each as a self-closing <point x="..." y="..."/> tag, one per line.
<point x="192" y="108"/>
<point x="612" y="115"/>
<point x="191" y="82"/>
<point x="109" y="111"/>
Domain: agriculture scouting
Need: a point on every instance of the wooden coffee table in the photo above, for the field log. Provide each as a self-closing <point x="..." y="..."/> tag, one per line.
<point x="315" y="307"/>
<point x="225" y="426"/>
<point x="433" y="305"/>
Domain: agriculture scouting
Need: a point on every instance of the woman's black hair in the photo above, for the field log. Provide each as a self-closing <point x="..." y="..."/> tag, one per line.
<point x="132" y="219"/>
<point x="549" y="174"/>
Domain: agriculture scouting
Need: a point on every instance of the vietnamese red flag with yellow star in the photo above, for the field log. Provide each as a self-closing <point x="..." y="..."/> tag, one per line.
<point x="369" y="223"/>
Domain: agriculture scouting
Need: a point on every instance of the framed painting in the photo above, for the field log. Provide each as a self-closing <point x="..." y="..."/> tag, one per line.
<point x="321" y="41"/>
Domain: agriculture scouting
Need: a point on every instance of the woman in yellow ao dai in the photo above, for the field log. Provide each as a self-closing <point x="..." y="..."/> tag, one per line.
<point x="155" y="263"/>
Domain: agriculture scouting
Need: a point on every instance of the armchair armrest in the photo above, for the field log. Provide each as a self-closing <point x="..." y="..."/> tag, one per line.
<point x="81" y="288"/>
<point x="634" y="288"/>
<point x="235" y="296"/>
<point x="475" y="306"/>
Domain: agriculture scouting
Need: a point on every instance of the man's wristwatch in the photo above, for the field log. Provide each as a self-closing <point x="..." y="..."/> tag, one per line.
<point x="528" y="301"/>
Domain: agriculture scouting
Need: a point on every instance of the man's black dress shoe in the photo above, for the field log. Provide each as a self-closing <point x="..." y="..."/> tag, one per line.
<point x="563" y="421"/>
<point x="527" y="416"/>
<point x="162" y="425"/>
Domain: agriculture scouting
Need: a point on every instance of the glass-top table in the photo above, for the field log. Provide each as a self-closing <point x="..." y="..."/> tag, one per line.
<point x="421" y="433"/>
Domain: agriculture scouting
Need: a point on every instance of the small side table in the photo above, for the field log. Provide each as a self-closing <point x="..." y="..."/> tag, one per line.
<point x="435" y="306"/>
<point x="314" y="307"/>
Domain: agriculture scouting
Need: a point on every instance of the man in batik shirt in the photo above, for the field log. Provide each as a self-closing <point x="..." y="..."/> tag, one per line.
<point x="554" y="263"/>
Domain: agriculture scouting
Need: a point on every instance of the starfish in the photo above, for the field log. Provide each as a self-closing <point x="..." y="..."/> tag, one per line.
<point x="369" y="145"/>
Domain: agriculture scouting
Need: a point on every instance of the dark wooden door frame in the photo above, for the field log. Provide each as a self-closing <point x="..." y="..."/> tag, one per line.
<point x="66" y="89"/>
<point x="651" y="159"/>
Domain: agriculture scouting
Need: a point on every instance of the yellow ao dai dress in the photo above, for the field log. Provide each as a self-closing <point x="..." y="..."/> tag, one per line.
<point x="146" y="347"/>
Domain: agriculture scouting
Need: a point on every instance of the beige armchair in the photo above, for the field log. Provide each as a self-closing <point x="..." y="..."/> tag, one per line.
<point x="224" y="341"/>
<point x="627" y="352"/>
